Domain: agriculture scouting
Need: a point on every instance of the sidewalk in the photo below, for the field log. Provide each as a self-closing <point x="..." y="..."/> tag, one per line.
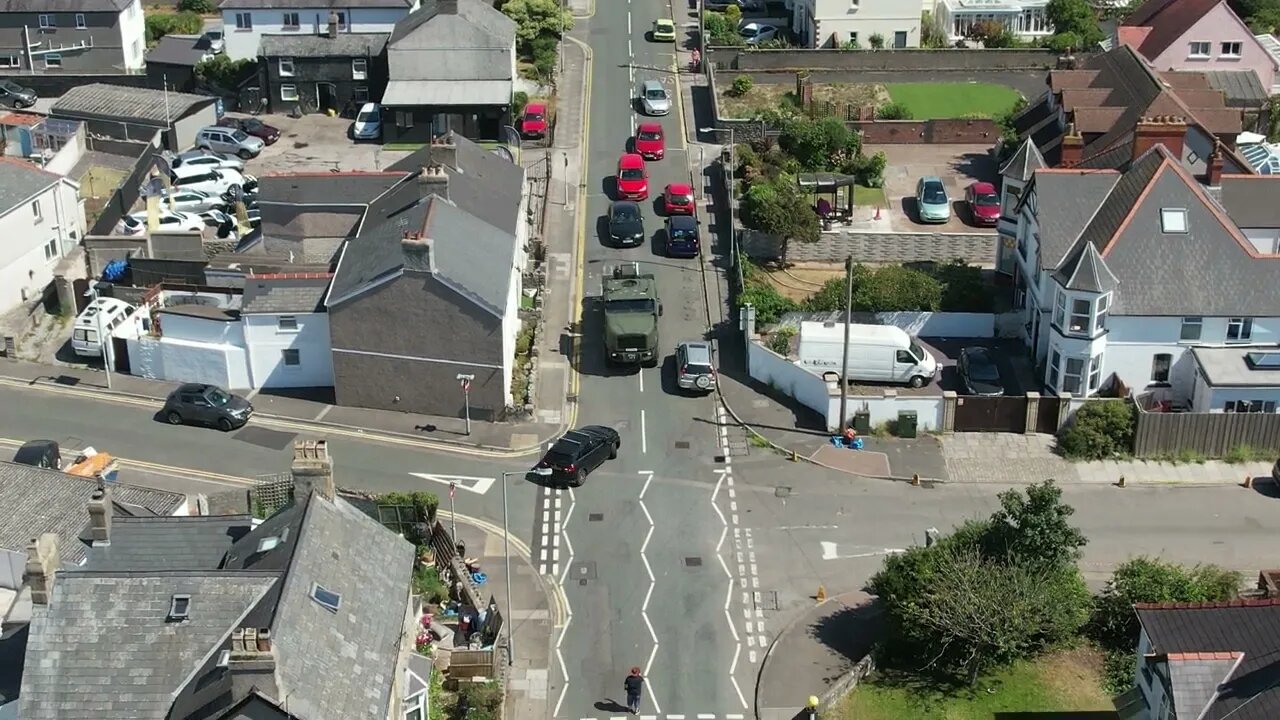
<point x="812" y="653"/>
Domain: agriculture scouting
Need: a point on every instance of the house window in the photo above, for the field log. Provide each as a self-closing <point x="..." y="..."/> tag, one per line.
<point x="1079" y="317"/>
<point x="1104" y="304"/>
<point x="1250" y="406"/>
<point x="286" y="67"/>
<point x="244" y="21"/>
<point x="80" y="23"/>
<point x="289" y="93"/>
<point x="51" y="249"/>
<point x="10" y="61"/>
<point x="853" y="39"/>
<point x="1173" y="220"/>
<point x="291" y="21"/>
<point x="1160" y="367"/>
<point x="1239" y="329"/>
<point x="1072" y="376"/>
<point x="1060" y="311"/>
<point x="47" y="22"/>
<point x="414" y="708"/>
<point x="360" y="94"/>
<point x="1191" y="327"/>
<point x="404" y="118"/>
<point x="179" y="607"/>
<point x="35" y="210"/>
<point x="1055" y="362"/>
<point x="287" y="322"/>
<point x="329" y="599"/>
<point x="359" y="68"/>
<point x="1011" y="195"/>
<point x="1231" y="49"/>
<point x="53" y="60"/>
<point x="1199" y="50"/>
<point x="342" y="21"/>
<point x="291" y="357"/>
<point x="1095" y="372"/>
<point x="137" y="47"/>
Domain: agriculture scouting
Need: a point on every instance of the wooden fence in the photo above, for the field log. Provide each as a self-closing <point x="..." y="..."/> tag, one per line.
<point x="1209" y="434"/>
<point x="488" y="661"/>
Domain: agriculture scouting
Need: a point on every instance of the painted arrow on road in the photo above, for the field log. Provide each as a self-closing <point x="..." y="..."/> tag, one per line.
<point x="477" y="485"/>
<point x="829" y="552"/>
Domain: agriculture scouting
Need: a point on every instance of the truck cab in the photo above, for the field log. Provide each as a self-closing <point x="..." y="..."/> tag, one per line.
<point x="631" y="311"/>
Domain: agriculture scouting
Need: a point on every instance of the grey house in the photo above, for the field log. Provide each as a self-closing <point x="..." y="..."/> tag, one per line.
<point x="75" y="37"/>
<point x="340" y="70"/>
<point x="172" y="62"/>
<point x="452" y="67"/>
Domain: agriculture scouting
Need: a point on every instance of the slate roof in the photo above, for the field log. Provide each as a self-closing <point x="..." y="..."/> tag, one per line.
<point x="47" y="6"/>
<point x="358" y="188"/>
<point x="104" y="648"/>
<point x="1024" y="161"/>
<point x="1252" y="201"/>
<point x="1086" y="272"/>
<point x="1168" y="20"/>
<point x="316" y="46"/>
<point x="1252" y="692"/>
<point x="34" y="501"/>
<point x="1242" y="88"/>
<point x="20" y="181"/>
<point x="186" y="50"/>
<point x="116" y="102"/>
<point x="282" y="294"/>
<point x="169" y="543"/>
<point x="375" y="254"/>
<point x="1067" y="200"/>
<point x="311" y="4"/>
<point x="456" y="23"/>
<point x="1195" y="678"/>
<point x="480" y="181"/>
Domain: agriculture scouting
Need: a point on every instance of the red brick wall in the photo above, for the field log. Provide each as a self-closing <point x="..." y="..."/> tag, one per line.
<point x="940" y="132"/>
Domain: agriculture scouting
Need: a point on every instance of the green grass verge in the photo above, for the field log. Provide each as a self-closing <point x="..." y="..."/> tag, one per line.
<point x="869" y="197"/>
<point x="930" y="101"/>
<point x="1061" y="682"/>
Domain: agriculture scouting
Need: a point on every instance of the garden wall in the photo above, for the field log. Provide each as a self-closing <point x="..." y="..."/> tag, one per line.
<point x="905" y="60"/>
<point x="55" y="85"/>
<point x="877" y="248"/>
<point x="788" y="378"/>
<point x="885" y="407"/>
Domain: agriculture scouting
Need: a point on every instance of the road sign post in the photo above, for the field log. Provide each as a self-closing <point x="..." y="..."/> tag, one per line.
<point x="453" y="516"/>
<point x="465" y="382"/>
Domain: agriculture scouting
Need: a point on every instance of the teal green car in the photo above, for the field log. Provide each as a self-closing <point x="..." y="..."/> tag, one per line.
<point x="932" y="203"/>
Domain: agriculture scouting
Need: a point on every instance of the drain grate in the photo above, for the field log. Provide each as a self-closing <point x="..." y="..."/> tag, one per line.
<point x="782" y="491"/>
<point x="682" y="444"/>
<point x="595" y="517"/>
<point x="766" y="599"/>
<point x="719" y="458"/>
<point x="693" y="562"/>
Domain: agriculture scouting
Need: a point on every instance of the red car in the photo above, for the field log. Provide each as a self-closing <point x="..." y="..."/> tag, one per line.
<point x="678" y="199"/>
<point x="253" y="126"/>
<point x="533" y="122"/>
<point x="984" y="203"/>
<point x="633" y="178"/>
<point x="649" y="141"/>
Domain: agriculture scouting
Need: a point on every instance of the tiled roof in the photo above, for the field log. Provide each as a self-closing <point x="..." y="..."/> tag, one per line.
<point x="1242" y="88"/>
<point x="101" y="101"/>
<point x="48" y="6"/>
<point x="1024" y="162"/>
<point x="1196" y="677"/>
<point x="1168" y="20"/>
<point x="1068" y="199"/>
<point x="276" y="294"/>
<point x="1252" y="201"/>
<point x="1085" y="271"/>
<point x="186" y="50"/>
<point x="1117" y="208"/>
<point x="455" y="23"/>
<point x="311" y="4"/>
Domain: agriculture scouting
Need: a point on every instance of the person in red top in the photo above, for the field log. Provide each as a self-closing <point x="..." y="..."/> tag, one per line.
<point x="633" y="684"/>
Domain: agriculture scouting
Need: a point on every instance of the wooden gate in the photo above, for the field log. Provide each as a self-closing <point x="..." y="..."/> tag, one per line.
<point x="1048" y="413"/>
<point x="991" y="414"/>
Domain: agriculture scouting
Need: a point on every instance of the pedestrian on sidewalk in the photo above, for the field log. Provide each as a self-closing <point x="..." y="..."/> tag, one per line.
<point x="634" y="684"/>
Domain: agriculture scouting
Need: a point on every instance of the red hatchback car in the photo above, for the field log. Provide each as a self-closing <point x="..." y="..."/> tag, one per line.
<point x="678" y="199"/>
<point x="533" y="121"/>
<point x="650" y="142"/>
<point x="984" y="203"/>
<point x="633" y="178"/>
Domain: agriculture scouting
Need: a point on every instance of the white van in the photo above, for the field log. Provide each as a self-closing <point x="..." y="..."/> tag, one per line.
<point x="877" y="353"/>
<point x="106" y="313"/>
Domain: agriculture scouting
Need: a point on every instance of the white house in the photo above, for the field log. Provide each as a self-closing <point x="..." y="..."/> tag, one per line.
<point x="838" y="23"/>
<point x="41" y="220"/>
<point x="286" y="330"/>
<point x="246" y="21"/>
<point x="1025" y="19"/>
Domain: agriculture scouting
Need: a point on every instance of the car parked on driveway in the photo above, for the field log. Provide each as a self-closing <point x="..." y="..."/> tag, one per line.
<point x="649" y="142"/>
<point x="626" y="224"/>
<point x="193" y="201"/>
<point x="208" y="180"/>
<point x="533" y="121"/>
<point x="654" y="99"/>
<point x="754" y="33"/>
<point x="979" y="374"/>
<point x="200" y="404"/>
<point x="205" y="158"/>
<point x="15" y="95"/>
<point x="368" y="124"/>
<point x="682" y="236"/>
<point x="932" y="203"/>
<point x="268" y="134"/>
<point x="678" y="199"/>
<point x="579" y="452"/>
<point x="229" y="140"/>
<point x="983" y="202"/>
<point x="693" y="366"/>
<point x="167" y="220"/>
<point x="633" y="178"/>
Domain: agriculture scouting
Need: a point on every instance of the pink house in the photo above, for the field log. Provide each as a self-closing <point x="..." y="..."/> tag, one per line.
<point x="1202" y="35"/>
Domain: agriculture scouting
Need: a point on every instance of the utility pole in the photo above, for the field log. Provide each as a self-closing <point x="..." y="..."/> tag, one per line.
<point x="844" y="362"/>
<point x="465" y="381"/>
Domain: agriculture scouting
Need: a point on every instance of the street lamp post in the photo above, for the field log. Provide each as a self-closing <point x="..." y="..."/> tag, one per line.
<point x="506" y="553"/>
<point x="464" y="380"/>
<point x="102" y="338"/>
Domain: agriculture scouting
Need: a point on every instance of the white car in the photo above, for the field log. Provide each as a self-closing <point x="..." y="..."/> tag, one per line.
<point x="215" y="40"/>
<point x="187" y="200"/>
<point x="206" y="158"/>
<point x="755" y="33"/>
<point x="368" y="124"/>
<point x="654" y="99"/>
<point x="207" y="180"/>
<point x="169" y="221"/>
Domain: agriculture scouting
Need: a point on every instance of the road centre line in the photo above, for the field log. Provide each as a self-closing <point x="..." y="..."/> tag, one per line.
<point x="644" y="441"/>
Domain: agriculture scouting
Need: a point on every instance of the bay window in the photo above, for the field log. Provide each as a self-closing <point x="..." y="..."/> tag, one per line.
<point x="1060" y="311"/>
<point x="1100" y="320"/>
<point x="1079" y="323"/>
<point x="1073" y="376"/>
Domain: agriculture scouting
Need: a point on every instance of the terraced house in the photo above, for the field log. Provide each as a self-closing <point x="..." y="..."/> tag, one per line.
<point x="75" y="37"/>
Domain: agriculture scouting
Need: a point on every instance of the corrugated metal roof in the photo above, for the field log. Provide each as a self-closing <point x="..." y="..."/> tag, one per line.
<point x="401" y="93"/>
<point x="128" y="103"/>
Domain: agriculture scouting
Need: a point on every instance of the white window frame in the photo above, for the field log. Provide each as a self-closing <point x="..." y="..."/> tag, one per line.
<point x="291" y="353"/>
<point x="56" y="59"/>
<point x="287" y="323"/>
<point x="285" y="17"/>
<point x="289" y="93"/>
<point x="1188" y="323"/>
<point x="1193" y="49"/>
<point x="281" y="65"/>
<point x="1242" y="327"/>
<point x="1060" y="309"/>
<point x="48" y="21"/>
<point x="51" y="250"/>
<point x="360" y="93"/>
<point x="1173" y="221"/>
<point x="342" y="20"/>
<point x="1068" y="384"/>
<point x="363" y="72"/>
<point x="80" y="23"/>
<point x="1101" y="308"/>
<point x="415" y="708"/>
<point x="1250" y="406"/>
<point x="35" y="210"/>
<point x="1078" y="323"/>
<point x="1095" y="373"/>
<point x="1226" y="48"/>
<point x="1055" y="364"/>
<point x="1157" y="361"/>
<point x="11" y="61"/>
<point x="404" y="119"/>
<point x="244" y="21"/>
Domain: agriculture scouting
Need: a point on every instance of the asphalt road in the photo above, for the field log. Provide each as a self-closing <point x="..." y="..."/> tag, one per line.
<point x="638" y="543"/>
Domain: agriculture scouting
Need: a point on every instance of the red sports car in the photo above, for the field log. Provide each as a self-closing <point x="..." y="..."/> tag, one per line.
<point x="678" y="199"/>
<point x="984" y="203"/>
<point x="633" y="178"/>
<point x="649" y="141"/>
<point x="533" y="122"/>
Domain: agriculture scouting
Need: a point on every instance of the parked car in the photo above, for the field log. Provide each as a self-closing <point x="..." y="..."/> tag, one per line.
<point x="205" y="158"/>
<point x="104" y="314"/>
<point x="722" y="5"/>
<point x="654" y="99"/>
<point x="979" y="373"/>
<point x="229" y="140"/>
<point x="368" y="124"/>
<point x="268" y="134"/>
<point x="199" y="404"/>
<point x="677" y="199"/>
<point x="626" y="224"/>
<point x="191" y="201"/>
<point x="693" y="366"/>
<point x="932" y="202"/>
<point x="579" y="452"/>
<point x="216" y="41"/>
<point x="755" y="33"/>
<point x="15" y="95"/>
<point x="39" y="454"/>
<point x="649" y="142"/>
<point x="983" y="202"/>
<point x="664" y="30"/>
<point x="682" y="236"/>
<point x="533" y="121"/>
<point x="168" y="221"/>
<point x="633" y="178"/>
<point x="208" y="180"/>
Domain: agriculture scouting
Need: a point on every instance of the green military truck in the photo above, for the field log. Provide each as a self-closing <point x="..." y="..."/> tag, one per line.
<point x="631" y="311"/>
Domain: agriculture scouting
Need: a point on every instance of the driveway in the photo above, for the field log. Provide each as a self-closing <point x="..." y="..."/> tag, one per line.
<point x="957" y="165"/>
<point x="317" y="143"/>
<point x="1015" y="368"/>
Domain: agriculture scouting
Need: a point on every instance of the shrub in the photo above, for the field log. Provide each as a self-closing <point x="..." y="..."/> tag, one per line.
<point x="893" y="111"/>
<point x="824" y="144"/>
<point x="200" y="7"/>
<point x="183" y="23"/>
<point x="871" y="172"/>
<point x="780" y="340"/>
<point x="741" y="84"/>
<point x="762" y="295"/>
<point x="423" y="503"/>
<point x="733" y="15"/>
<point x="720" y="31"/>
<point x="542" y="52"/>
<point x="519" y="99"/>
<point x="1065" y="41"/>
<point x="480" y="700"/>
<point x="877" y="41"/>
<point x="427" y="583"/>
<point x="221" y="71"/>
<point x="964" y="290"/>
<point x="895" y="288"/>
<point x="1102" y="429"/>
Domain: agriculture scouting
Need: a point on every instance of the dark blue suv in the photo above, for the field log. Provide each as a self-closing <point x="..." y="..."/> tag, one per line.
<point x="682" y="236"/>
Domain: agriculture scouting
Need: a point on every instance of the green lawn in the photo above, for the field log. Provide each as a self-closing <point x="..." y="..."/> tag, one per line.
<point x="928" y="101"/>
<point x="869" y="197"/>
<point x="1067" y="681"/>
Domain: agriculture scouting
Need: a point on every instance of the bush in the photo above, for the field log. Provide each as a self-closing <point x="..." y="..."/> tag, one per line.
<point x="519" y="99"/>
<point x="221" y="71"/>
<point x="780" y="340"/>
<point x="893" y="111"/>
<point x="536" y="19"/>
<point x="1064" y="41"/>
<point x="720" y="31"/>
<point x="871" y="172"/>
<point x="741" y="84"/>
<point x="733" y="16"/>
<point x="200" y="7"/>
<point x="543" y="53"/>
<point x="762" y="295"/>
<point x="895" y="288"/>
<point x="423" y="503"/>
<point x="1102" y="429"/>
<point x="964" y="290"/>
<point x="183" y="23"/>
<point x="877" y="41"/>
<point x="480" y="700"/>
<point x="824" y="144"/>
<point x="427" y="583"/>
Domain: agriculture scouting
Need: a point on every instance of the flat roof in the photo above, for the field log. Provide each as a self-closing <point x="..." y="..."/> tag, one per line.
<point x="1239" y="366"/>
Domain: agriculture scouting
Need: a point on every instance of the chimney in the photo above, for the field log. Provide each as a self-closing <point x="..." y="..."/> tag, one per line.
<point x="312" y="470"/>
<point x="249" y="661"/>
<point x="417" y="251"/>
<point x="1167" y="130"/>
<point x="1072" y="147"/>
<point x="100" y="516"/>
<point x="442" y="151"/>
<point x="1213" y="176"/>
<point x="42" y="566"/>
<point x="333" y="25"/>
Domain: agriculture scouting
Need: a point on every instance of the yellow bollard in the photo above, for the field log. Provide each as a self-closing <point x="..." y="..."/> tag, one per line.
<point x="822" y="594"/>
<point x="794" y="457"/>
<point x="812" y="703"/>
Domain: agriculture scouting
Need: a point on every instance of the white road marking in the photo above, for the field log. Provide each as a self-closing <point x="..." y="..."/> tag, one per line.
<point x="641" y="376"/>
<point x="644" y="607"/>
<point x="477" y="485"/>
<point x="644" y="441"/>
<point x="751" y="656"/>
<point x="807" y="527"/>
<point x="568" y="614"/>
<point x="829" y="552"/>
<point x="706" y="716"/>
<point x="628" y="22"/>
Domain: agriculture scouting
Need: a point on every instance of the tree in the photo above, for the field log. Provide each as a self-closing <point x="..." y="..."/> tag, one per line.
<point x="535" y="19"/>
<point x="824" y="144"/>
<point x="221" y="71"/>
<point x="720" y="31"/>
<point x="932" y="34"/>
<point x="1034" y="530"/>
<point x="1065" y="41"/>
<point x="992" y="34"/>
<point x="160" y="24"/>
<point x="963" y="287"/>
<point x="200" y="7"/>
<point x="877" y="41"/>
<point x="1075" y="16"/>
<point x="733" y="15"/>
<point x="1151" y="580"/>
<point x="776" y="207"/>
<point x="1102" y="429"/>
<point x="896" y="288"/>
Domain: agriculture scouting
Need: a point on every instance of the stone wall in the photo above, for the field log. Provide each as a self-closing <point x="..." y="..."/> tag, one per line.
<point x="906" y="60"/>
<point x="877" y="248"/>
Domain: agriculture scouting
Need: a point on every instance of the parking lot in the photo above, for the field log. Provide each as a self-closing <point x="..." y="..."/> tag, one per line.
<point x="1016" y="371"/>
<point x="317" y="143"/>
<point x="957" y="165"/>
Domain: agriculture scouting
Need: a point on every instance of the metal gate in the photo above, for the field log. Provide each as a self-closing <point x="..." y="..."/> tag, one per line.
<point x="991" y="414"/>
<point x="1048" y="413"/>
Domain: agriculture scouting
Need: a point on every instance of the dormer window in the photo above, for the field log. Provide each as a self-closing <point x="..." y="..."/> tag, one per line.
<point x="1079" y="323"/>
<point x="179" y="605"/>
<point x="1173" y="221"/>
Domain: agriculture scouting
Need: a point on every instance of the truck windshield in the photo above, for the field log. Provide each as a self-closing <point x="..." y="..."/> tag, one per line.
<point x="630" y="306"/>
<point x="917" y="350"/>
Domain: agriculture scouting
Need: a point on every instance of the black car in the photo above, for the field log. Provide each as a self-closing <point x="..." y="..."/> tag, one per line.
<point x="979" y="372"/>
<point x="40" y="454"/>
<point x="626" y="224"/>
<point x="682" y="236"/>
<point x="15" y="95"/>
<point x="578" y="452"/>
<point x="198" y="404"/>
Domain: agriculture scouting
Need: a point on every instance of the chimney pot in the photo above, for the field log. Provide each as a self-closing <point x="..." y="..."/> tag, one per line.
<point x="1213" y="175"/>
<point x="100" y="516"/>
<point x="333" y="25"/>
<point x="312" y="469"/>
<point x="42" y="567"/>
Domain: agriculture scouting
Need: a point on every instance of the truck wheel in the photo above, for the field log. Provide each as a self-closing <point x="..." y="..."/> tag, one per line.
<point x="653" y="362"/>
<point x="917" y="382"/>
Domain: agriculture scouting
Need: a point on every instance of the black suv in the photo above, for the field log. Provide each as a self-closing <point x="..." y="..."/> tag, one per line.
<point x="197" y="404"/>
<point x="579" y="452"/>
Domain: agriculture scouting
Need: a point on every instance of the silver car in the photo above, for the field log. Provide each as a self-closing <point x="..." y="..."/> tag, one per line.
<point x="206" y="159"/>
<point x="229" y="140"/>
<point x="654" y="99"/>
<point x="693" y="366"/>
<point x="194" y="201"/>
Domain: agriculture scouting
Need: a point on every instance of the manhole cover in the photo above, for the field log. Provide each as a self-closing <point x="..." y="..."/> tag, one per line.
<point x="693" y="562"/>
<point x="782" y="492"/>
<point x="682" y="445"/>
<point x="595" y="517"/>
<point x="766" y="599"/>
<point x="719" y="458"/>
<point x="584" y="570"/>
